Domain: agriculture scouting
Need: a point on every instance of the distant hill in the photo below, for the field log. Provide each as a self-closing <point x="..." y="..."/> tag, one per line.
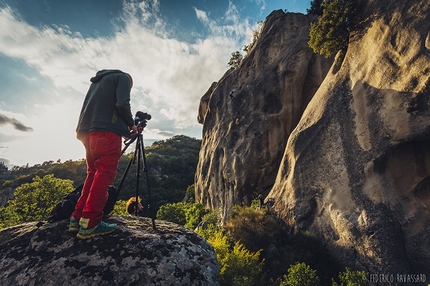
<point x="171" y="168"/>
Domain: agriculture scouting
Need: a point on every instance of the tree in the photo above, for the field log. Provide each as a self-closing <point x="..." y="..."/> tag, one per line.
<point x="35" y="201"/>
<point x="255" y="35"/>
<point x="3" y="167"/>
<point x="316" y="7"/>
<point x="331" y="32"/>
<point x="236" y="59"/>
<point x="300" y="274"/>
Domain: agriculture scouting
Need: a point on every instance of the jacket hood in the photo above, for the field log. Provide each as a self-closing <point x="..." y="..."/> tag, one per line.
<point x="100" y="74"/>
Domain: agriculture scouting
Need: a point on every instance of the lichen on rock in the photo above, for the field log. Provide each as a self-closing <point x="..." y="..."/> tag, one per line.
<point x="42" y="253"/>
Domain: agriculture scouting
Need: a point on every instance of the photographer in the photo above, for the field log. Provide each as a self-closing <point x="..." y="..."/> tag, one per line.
<point x="105" y="117"/>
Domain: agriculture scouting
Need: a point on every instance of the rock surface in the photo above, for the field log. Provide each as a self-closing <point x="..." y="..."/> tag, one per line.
<point x="42" y="253"/>
<point x="349" y="163"/>
<point x="356" y="169"/>
<point x="248" y="115"/>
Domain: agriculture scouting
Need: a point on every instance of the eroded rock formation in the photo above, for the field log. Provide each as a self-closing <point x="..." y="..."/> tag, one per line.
<point x="249" y="113"/>
<point x="356" y="168"/>
<point x="41" y="253"/>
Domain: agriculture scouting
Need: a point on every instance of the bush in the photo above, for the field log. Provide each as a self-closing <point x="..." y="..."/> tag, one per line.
<point x="235" y="60"/>
<point x="331" y="32"/>
<point x="254" y="227"/>
<point x="186" y="214"/>
<point x="238" y="265"/>
<point x="119" y="209"/>
<point x="351" y="278"/>
<point x="300" y="274"/>
<point x="242" y="267"/>
<point x="172" y="212"/>
<point x="34" y="201"/>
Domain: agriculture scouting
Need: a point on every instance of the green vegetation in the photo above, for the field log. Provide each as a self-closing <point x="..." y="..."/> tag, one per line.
<point x="187" y="214"/>
<point x="330" y="33"/>
<point x="171" y="168"/>
<point x="316" y="7"/>
<point x="352" y="278"/>
<point x="235" y="60"/>
<point x="252" y="248"/>
<point x="300" y="274"/>
<point x="237" y="57"/>
<point x="238" y="265"/>
<point x="34" y="201"/>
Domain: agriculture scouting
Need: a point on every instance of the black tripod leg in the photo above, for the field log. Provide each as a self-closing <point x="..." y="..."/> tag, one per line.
<point x="121" y="183"/>
<point x="139" y="154"/>
<point x="145" y="169"/>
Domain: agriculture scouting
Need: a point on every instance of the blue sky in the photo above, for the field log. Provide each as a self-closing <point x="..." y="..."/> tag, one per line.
<point x="174" y="49"/>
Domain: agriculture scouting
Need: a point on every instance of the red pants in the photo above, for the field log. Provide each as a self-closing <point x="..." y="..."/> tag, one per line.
<point x="103" y="150"/>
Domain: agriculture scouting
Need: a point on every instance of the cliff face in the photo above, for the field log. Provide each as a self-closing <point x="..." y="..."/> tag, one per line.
<point x="41" y="253"/>
<point x="354" y="170"/>
<point x="248" y="114"/>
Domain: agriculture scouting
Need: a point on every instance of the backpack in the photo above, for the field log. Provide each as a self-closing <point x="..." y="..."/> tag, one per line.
<point x="65" y="208"/>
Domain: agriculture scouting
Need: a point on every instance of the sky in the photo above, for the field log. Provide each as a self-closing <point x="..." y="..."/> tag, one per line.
<point x="174" y="49"/>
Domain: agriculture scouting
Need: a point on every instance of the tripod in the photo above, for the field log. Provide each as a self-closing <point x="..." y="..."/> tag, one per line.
<point x="139" y="155"/>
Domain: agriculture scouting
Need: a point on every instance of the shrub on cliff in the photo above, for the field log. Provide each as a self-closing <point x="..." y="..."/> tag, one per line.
<point x="256" y="228"/>
<point x="300" y="274"/>
<point x="330" y="33"/>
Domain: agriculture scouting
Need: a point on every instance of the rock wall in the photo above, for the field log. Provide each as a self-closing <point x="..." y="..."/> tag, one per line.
<point x="355" y="172"/>
<point x="41" y="253"/>
<point x="249" y="113"/>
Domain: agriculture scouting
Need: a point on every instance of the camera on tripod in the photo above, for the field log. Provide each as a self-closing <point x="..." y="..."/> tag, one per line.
<point x="141" y="119"/>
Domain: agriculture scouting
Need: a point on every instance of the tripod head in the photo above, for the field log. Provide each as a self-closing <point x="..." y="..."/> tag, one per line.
<point x="140" y="120"/>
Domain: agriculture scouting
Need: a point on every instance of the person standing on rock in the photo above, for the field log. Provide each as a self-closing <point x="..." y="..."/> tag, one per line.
<point x="104" y="119"/>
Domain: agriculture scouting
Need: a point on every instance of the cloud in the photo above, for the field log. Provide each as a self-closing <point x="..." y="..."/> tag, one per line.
<point x="170" y="75"/>
<point x="14" y="122"/>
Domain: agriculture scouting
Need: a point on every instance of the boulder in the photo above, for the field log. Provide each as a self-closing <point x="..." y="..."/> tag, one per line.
<point x="249" y="113"/>
<point x="356" y="169"/>
<point x="42" y="253"/>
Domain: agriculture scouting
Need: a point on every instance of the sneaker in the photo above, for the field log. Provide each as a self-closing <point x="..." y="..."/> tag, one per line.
<point x="73" y="225"/>
<point x="100" y="229"/>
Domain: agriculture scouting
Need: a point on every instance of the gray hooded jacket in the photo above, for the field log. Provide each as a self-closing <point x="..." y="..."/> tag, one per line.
<point x="107" y="104"/>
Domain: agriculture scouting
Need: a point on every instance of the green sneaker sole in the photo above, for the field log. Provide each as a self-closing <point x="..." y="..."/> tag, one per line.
<point x="73" y="228"/>
<point x="91" y="235"/>
<point x="100" y="229"/>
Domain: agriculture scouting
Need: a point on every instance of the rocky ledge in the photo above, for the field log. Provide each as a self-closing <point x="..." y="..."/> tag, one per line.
<point x="42" y="253"/>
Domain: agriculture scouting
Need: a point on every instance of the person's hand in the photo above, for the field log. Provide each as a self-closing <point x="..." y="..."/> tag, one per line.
<point x="133" y="130"/>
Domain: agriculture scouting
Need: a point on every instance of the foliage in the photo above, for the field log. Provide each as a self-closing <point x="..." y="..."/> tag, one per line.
<point x="241" y="267"/>
<point x="193" y="214"/>
<point x="3" y="168"/>
<point x="34" y="201"/>
<point x="331" y="32"/>
<point x="235" y="60"/>
<point x="186" y="214"/>
<point x="351" y="278"/>
<point x="119" y="209"/>
<point x="300" y="274"/>
<point x="172" y="212"/>
<point x="255" y="227"/>
<point x="171" y="166"/>
<point x="238" y="265"/>
<point x="255" y="35"/>
<point x="237" y="57"/>
<point x="316" y="7"/>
